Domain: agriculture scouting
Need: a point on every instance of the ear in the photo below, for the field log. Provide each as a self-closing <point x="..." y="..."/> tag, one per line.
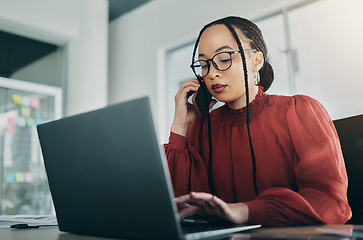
<point x="258" y="61"/>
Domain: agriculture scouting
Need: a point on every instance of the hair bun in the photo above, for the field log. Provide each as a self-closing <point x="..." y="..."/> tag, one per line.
<point x="267" y="76"/>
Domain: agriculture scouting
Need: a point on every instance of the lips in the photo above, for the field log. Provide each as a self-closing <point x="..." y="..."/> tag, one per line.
<point x="218" y="88"/>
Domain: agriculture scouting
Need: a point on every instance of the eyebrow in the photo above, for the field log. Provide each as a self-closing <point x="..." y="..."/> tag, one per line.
<point x="218" y="50"/>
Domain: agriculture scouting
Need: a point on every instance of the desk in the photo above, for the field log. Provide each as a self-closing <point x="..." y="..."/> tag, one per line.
<point x="292" y="233"/>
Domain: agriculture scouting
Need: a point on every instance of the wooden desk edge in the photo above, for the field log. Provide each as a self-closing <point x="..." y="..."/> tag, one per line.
<point x="305" y="230"/>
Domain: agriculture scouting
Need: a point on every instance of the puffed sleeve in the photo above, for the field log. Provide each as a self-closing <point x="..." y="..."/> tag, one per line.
<point x="186" y="166"/>
<point x="319" y="169"/>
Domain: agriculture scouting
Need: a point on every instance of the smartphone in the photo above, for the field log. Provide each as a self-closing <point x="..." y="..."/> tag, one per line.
<point x="202" y="98"/>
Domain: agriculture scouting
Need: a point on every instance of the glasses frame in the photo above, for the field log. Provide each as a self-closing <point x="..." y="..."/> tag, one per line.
<point x="215" y="64"/>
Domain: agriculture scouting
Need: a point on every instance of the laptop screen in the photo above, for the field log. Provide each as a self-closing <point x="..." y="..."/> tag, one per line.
<point x="350" y="131"/>
<point x="107" y="174"/>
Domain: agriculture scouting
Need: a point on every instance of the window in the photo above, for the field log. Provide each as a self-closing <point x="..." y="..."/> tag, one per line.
<point x="326" y="36"/>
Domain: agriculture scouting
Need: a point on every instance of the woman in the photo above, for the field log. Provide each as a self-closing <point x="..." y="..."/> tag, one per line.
<point x="260" y="159"/>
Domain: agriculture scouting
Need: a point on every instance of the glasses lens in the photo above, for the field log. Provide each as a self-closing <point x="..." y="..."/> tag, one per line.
<point x="201" y="67"/>
<point x="223" y="61"/>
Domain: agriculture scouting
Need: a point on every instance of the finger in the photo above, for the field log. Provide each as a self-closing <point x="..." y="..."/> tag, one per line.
<point x="221" y="205"/>
<point x="184" y="91"/>
<point x="182" y="206"/>
<point x="201" y="196"/>
<point x="211" y="204"/>
<point x="200" y="203"/>
<point x="214" y="205"/>
<point x="192" y="82"/>
<point x="203" y="199"/>
<point x="182" y="199"/>
<point x="194" y="197"/>
<point x="185" y="87"/>
<point x="187" y="199"/>
<point x="188" y="212"/>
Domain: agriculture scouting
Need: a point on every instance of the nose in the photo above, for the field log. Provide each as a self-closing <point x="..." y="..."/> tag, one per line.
<point x="213" y="71"/>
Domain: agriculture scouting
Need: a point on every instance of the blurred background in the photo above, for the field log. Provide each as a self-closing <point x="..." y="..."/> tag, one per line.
<point x="60" y="58"/>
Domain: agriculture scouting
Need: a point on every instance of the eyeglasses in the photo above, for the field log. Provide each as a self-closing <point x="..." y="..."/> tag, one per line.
<point x="221" y="61"/>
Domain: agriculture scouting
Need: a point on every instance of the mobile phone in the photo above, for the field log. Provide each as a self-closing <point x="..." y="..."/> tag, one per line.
<point x="202" y="98"/>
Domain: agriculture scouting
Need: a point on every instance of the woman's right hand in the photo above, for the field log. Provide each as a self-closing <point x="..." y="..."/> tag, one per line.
<point x="185" y="113"/>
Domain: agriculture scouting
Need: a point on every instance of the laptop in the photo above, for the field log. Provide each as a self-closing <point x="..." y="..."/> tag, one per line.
<point x="350" y="132"/>
<point x="108" y="175"/>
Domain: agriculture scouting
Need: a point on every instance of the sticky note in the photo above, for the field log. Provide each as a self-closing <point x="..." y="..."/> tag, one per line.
<point x="17" y="98"/>
<point x="10" y="130"/>
<point x="19" y="177"/>
<point x="34" y="102"/>
<point x="25" y="112"/>
<point x="30" y="122"/>
<point x="28" y="177"/>
<point x="11" y="121"/>
<point x="9" y="177"/>
<point x="25" y="101"/>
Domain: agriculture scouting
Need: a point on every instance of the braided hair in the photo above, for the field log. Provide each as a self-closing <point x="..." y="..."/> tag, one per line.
<point x="254" y="34"/>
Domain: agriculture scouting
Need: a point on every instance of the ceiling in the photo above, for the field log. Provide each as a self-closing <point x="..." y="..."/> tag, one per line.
<point x="120" y="7"/>
<point x="17" y="51"/>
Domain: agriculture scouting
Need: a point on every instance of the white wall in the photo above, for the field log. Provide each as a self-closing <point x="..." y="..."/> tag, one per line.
<point x="139" y="39"/>
<point x="87" y="59"/>
<point x="329" y="69"/>
<point x="48" y="70"/>
<point x="80" y="27"/>
<point x="46" y="20"/>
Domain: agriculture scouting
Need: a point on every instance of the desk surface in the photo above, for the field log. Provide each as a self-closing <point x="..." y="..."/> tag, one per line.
<point x="301" y="233"/>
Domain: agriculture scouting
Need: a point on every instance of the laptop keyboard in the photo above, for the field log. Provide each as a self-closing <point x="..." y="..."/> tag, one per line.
<point x="201" y="227"/>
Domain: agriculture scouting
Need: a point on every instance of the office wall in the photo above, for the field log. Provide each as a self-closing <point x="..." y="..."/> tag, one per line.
<point x="48" y="70"/>
<point x="87" y="59"/>
<point x="45" y="20"/>
<point x="139" y="39"/>
<point x="80" y="28"/>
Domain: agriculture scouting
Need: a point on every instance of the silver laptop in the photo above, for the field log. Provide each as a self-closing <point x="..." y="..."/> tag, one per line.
<point x="108" y="176"/>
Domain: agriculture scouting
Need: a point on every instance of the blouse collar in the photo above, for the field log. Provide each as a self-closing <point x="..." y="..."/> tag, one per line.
<point x="238" y="117"/>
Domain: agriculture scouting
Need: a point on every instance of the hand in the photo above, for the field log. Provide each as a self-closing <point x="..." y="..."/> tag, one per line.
<point x="185" y="112"/>
<point x="211" y="208"/>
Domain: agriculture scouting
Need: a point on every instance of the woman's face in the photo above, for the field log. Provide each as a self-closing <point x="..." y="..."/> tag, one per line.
<point x="228" y="86"/>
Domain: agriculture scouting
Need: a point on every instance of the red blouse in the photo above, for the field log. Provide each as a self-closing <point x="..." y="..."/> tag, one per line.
<point x="300" y="171"/>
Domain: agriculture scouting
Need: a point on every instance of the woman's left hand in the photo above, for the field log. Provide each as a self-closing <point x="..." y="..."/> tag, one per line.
<point x="211" y="208"/>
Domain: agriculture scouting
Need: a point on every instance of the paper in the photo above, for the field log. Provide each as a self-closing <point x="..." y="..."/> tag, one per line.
<point x="10" y="130"/>
<point x="9" y="177"/>
<point x="7" y="220"/>
<point x="25" y="101"/>
<point x="19" y="177"/>
<point x="11" y="126"/>
<point x="25" y="112"/>
<point x="16" y="98"/>
<point x="11" y="120"/>
<point x="34" y="103"/>
<point x="30" y="122"/>
<point x="28" y="177"/>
